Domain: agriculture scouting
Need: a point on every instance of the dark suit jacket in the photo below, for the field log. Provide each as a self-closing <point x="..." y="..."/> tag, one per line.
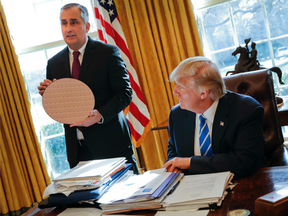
<point x="237" y="145"/>
<point x="104" y="71"/>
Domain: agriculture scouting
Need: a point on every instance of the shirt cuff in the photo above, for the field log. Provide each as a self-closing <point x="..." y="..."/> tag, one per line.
<point x="101" y="120"/>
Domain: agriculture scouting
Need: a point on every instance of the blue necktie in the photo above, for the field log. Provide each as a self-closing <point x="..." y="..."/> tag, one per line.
<point x="204" y="138"/>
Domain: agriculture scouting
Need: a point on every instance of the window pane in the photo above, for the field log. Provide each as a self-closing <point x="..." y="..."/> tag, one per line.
<point x="48" y="22"/>
<point x="57" y="150"/>
<point x="33" y="66"/>
<point x="52" y="51"/>
<point x="280" y="49"/>
<point x="225" y="60"/>
<point x="42" y="21"/>
<point x="217" y="27"/>
<point x="249" y="20"/>
<point x="277" y="17"/>
<point x="21" y="33"/>
<point x="263" y="54"/>
<point x="33" y="69"/>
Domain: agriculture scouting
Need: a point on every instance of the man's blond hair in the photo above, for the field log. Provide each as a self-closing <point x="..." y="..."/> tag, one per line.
<point x="204" y="73"/>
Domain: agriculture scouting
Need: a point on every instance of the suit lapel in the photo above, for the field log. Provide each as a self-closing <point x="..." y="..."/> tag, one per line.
<point x="189" y="131"/>
<point x="66" y="63"/>
<point x="220" y="123"/>
<point x="88" y="54"/>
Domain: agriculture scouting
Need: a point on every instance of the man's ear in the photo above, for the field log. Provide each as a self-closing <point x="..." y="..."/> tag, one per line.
<point x="204" y="91"/>
<point x="87" y="25"/>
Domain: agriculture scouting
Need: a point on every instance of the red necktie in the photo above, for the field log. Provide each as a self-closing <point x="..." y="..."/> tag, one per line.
<point x="76" y="65"/>
<point x="76" y="69"/>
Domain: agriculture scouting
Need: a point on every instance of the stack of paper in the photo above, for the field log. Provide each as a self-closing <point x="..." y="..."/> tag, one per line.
<point x="86" y="175"/>
<point x="136" y="192"/>
<point x="92" y="170"/>
<point x="199" y="191"/>
<point x="85" y="183"/>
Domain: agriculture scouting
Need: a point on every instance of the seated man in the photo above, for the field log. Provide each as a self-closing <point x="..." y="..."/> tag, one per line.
<point x="211" y="129"/>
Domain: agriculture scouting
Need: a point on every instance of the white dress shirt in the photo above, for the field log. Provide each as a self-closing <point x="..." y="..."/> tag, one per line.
<point x="71" y="58"/>
<point x="209" y="114"/>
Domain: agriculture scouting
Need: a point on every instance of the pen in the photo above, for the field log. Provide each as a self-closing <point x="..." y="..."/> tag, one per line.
<point x="174" y="187"/>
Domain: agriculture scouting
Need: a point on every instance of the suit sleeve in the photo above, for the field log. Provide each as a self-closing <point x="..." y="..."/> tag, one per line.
<point x="48" y="74"/>
<point x="246" y="153"/>
<point x="171" y="152"/>
<point x="119" y="84"/>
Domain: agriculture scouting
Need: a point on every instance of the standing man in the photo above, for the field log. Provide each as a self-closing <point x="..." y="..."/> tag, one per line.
<point x="211" y="129"/>
<point x="106" y="132"/>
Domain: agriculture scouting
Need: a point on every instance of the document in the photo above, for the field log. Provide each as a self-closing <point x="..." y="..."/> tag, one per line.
<point x="205" y="188"/>
<point x="137" y="204"/>
<point x="135" y="186"/>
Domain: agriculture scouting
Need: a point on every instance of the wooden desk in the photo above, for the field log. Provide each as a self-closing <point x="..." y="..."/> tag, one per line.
<point x="264" y="181"/>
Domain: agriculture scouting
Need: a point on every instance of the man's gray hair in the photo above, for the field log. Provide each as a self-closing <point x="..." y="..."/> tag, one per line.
<point x="204" y="73"/>
<point x="83" y="10"/>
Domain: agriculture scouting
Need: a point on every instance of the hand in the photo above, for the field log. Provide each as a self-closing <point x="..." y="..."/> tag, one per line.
<point x="93" y="118"/>
<point x="44" y="85"/>
<point x="177" y="164"/>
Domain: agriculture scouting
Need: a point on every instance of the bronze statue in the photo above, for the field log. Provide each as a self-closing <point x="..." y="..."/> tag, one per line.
<point x="248" y="61"/>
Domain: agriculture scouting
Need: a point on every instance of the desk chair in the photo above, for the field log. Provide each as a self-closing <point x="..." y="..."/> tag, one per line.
<point x="259" y="85"/>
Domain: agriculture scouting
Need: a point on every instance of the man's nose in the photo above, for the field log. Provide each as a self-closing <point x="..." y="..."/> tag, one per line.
<point x="175" y="92"/>
<point x="68" y="27"/>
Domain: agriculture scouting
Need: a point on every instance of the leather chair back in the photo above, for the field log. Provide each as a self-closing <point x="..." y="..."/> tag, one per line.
<point x="259" y="85"/>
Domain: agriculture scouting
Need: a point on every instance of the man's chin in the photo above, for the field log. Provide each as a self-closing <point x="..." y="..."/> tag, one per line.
<point x="182" y="106"/>
<point x="70" y="40"/>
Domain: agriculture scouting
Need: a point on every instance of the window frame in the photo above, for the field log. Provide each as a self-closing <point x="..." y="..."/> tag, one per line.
<point x="197" y="5"/>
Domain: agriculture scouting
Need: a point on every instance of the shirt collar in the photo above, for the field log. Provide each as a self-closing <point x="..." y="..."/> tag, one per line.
<point x="210" y="112"/>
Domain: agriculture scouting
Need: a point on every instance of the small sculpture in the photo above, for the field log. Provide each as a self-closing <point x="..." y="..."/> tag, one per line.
<point x="248" y="61"/>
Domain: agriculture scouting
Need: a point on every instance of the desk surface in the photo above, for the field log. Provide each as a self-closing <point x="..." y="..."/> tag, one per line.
<point x="248" y="189"/>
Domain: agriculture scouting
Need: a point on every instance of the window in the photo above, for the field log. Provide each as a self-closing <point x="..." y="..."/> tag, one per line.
<point x="225" y="24"/>
<point x="36" y="35"/>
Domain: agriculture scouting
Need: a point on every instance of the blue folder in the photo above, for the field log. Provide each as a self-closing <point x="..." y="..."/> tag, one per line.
<point x="61" y="200"/>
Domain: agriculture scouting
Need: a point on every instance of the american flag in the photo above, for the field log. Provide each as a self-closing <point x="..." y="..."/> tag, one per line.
<point x="110" y="31"/>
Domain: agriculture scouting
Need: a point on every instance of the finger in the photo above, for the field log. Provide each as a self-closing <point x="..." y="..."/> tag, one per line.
<point x="167" y="164"/>
<point x="176" y="170"/>
<point x="41" y="92"/>
<point x="92" y="113"/>
<point x="41" y="87"/>
<point x="47" y="81"/>
<point x="85" y="123"/>
<point x="172" y="168"/>
<point x="77" y="124"/>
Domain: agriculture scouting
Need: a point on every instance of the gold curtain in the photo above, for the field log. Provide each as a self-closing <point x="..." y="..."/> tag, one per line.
<point x="160" y="34"/>
<point x="23" y="175"/>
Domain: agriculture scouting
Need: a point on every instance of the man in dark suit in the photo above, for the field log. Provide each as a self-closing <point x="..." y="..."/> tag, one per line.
<point x="106" y="132"/>
<point x="211" y="129"/>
